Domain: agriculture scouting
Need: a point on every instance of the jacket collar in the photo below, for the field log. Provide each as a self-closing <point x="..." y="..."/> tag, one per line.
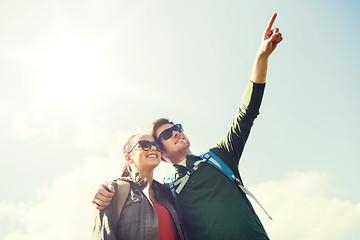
<point x="140" y="183"/>
<point x="143" y="184"/>
<point x="137" y="181"/>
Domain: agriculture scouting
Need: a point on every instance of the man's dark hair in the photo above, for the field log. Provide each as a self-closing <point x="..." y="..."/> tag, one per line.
<point x="156" y="124"/>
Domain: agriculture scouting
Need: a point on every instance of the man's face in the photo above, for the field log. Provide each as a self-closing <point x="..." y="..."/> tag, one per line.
<point x="177" y="143"/>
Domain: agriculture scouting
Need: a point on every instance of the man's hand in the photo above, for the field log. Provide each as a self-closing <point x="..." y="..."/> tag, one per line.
<point x="103" y="196"/>
<point x="271" y="38"/>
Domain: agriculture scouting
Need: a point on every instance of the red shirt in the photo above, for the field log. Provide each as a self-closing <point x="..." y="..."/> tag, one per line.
<point x="167" y="230"/>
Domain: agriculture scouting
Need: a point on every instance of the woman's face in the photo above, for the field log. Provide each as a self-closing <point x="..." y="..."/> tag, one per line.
<point x="144" y="160"/>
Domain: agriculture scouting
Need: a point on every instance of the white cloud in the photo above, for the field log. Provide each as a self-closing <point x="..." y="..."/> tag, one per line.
<point x="62" y="209"/>
<point x="98" y="137"/>
<point x="21" y="127"/>
<point x="35" y="122"/>
<point x="302" y="209"/>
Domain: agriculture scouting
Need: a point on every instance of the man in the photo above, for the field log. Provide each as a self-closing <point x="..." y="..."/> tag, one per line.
<point x="212" y="206"/>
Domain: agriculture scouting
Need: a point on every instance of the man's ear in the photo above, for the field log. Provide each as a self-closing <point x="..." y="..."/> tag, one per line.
<point x="128" y="158"/>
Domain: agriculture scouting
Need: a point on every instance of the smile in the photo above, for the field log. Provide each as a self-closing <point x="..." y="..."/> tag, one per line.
<point x="152" y="155"/>
<point x="177" y="141"/>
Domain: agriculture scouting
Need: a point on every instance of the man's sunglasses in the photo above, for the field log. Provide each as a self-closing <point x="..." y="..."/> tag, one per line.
<point x="146" y="145"/>
<point x="167" y="134"/>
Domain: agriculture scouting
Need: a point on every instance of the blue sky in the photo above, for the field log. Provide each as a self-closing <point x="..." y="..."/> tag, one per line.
<point x="78" y="77"/>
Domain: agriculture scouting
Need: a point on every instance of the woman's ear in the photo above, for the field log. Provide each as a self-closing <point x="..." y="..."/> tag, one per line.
<point x="128" y="158"/>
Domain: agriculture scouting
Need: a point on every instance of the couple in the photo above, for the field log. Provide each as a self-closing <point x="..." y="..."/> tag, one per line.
<point x="211" y="206"/>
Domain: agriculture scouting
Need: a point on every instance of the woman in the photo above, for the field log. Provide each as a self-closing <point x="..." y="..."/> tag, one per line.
<point x="148" y="212"/>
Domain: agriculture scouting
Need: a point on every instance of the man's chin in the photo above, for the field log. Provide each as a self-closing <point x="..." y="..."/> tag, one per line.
<point x="182" y="142"/>
<point x="184" y="145"/>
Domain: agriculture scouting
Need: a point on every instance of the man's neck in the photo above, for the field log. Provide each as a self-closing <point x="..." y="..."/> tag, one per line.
<point x="176" y="159"/>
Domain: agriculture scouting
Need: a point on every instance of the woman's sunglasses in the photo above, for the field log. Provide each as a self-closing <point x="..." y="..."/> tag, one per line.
<point x="146" y="145"/>
<point x="166" y="134"/>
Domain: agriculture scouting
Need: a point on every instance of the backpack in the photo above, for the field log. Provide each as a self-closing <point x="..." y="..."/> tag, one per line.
<point x="101" y="229"/>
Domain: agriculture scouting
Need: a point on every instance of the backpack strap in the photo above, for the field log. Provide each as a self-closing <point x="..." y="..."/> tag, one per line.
<point x="169" y="182"/>
<point x="182" y="181"/>
<point x="122" y="192"/>
<point x="212" y="159"/>
<point x="218" y="163"/>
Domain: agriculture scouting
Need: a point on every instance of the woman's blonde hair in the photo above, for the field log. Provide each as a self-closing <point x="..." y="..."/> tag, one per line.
<point x="127" y="171"/>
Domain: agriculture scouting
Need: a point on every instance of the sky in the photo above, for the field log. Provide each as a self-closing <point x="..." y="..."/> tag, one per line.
<point x="79" y="77"/>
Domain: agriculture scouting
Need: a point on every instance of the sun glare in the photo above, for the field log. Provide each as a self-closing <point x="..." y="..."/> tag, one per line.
<point x="71" y="73"/>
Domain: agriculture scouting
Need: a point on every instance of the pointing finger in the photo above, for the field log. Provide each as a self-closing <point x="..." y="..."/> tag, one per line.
<point x="272" y="20"/>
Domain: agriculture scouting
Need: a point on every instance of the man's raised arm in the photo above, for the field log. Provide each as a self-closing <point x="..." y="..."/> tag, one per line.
<point x="271" y="38"/>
